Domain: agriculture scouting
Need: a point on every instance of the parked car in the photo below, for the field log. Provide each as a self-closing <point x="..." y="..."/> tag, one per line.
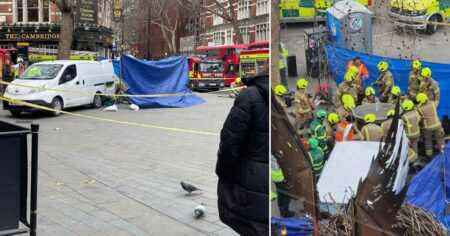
<point x="83" y="80"/>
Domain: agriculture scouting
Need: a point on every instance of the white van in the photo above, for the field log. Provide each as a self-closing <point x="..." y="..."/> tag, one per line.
<point x="87" y="77"/>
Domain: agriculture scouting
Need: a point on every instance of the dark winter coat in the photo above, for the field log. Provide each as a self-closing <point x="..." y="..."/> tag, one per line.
<point x="243" y="161"/>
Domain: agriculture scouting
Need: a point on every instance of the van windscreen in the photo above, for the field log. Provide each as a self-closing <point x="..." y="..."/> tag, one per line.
<point x="41" y="72"/>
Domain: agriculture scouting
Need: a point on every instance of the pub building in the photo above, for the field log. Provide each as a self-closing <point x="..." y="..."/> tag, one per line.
<point x="33" y="26"/>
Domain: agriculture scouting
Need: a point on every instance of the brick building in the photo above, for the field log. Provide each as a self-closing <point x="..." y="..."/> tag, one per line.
<point x="151" y="43"/>
<point x="36" y="23"/>
<point x="253" y="20"/>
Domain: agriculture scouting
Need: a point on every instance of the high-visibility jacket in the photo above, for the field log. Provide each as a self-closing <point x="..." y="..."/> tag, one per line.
<point x="234" y="88"/>
<point x="316" y="158"/>
<point x="431" y="89"/>
<point x="430" y="117"/>
<point x="344" y="132"/>
<point x="411" y="121"/>
<point x="282" y="60"/>
<point x="385" y="84"/>
<point x="385" y="126"/>
<point x="34" y="71"/>
<point x="276" y="172"/>
<point x="318" y="132"/>
<point x="362" y="72"/>
<point x="302" y="102"/>
<point x="372" y="132"/>
<point x="413" y="83"/>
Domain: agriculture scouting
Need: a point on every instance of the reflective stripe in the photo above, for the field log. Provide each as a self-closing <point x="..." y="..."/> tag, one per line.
<point x="366" y="132"/>
<point x="347" y="130"/>
<point x="430" y="117"/>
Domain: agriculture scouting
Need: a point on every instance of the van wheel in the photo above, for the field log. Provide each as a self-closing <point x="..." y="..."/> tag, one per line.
<point x="431" y="28"/>
<point x="192" y="86"/>
<point x="97" y="103"/>
<point x="56" y="105"/>
<point x="15" y="113"/>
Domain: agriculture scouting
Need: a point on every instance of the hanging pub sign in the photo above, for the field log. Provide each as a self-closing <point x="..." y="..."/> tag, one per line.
<point x="86" y="11"/>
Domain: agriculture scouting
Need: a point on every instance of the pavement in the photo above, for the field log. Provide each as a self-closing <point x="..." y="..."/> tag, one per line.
<point x="100" y="178"/>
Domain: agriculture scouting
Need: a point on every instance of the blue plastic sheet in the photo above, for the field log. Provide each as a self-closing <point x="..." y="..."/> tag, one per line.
<point x="339" y="57"/>
<point x="426" y="189"/>
<point x="294" y="226"/>
<point x="167" y="76"/>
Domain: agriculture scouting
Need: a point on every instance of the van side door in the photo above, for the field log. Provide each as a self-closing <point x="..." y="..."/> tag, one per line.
<point x="69" y="81"/>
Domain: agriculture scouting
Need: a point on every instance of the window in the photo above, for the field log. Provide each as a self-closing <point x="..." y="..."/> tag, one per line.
<point x="219" y="38"/>
<point x="36" y="10"/>
<point x="69" y="74"/>
<point x="41" y="72"/>
<point x="217" y="20"/>
<point x="229" y="37"/>
<point x="262" y="32"/>
<point x="262" y="7"/>
<point x="245" y="35"/>
<point x="243" y="10"/>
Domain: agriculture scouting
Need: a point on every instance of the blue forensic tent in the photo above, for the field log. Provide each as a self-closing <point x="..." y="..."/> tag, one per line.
<point x="294" y="226"/>
<point x="339" y="57"/>
<point x="167" y="76"/>
<point x="426" y="189"/>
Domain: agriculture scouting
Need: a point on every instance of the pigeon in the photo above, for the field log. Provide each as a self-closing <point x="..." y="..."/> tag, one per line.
<point x="189" y="187"/>
<point x="200" y="210"/>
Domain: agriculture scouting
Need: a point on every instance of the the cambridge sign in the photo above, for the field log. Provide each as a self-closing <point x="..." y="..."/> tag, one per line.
<point x="30" y="36"/>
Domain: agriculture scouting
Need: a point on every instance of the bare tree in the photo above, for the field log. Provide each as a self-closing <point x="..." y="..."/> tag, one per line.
<point x="165" y="14"/>
<point x="275" y="42"/>
<point x="67" y="8"/>
<point x="225" y="10"/>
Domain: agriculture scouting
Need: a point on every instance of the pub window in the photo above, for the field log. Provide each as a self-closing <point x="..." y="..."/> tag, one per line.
<point x="33" y="10"/>
<point x="46" y="10"/>
<point x="20" y="10"/>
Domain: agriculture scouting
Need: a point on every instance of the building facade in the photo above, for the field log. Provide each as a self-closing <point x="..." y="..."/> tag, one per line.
<point x="35" y="23"/>
<point x="253" y="20"/>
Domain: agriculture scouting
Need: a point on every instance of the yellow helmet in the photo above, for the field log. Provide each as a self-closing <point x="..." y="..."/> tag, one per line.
<point x="369" y="91"/>
<point x="349" y="77"/>
<point x="395" y="91"/>
<point x="349" y="105"/>
<point x="237" y="80"/>
<point x="302" y="83"/>
<point x="382" y="66"/>
<point x="416" y="65"/>
<point x="421" y="98"/>
<point x="426" y="72"/>
<point x="390" y="113"/>
<point x="333" y="118"/>
<point x="347" y="97"/>
<point x="370" y="118"/>
<point x="353" y="70"/>
<point x="280" y="90"/>
<point x="408" y="105"/>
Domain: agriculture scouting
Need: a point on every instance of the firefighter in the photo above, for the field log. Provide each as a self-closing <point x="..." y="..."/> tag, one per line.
<point x="303" y="107"/>
<point x="431" y="124"/>
<point x="394" y="95"/>
<point x="411" y="119"/>
<point x="235" y="88"/>
<point x="371" y="131"/>
<point x="345" y="131"/>
<point x="282" y="189"/>
<point x="316" y="156"/>
<point x="361" y="75"/>
<point x="347" y="108"/>
<point x="346" y="87"/>
<point x="413" y="81"/>
<point x="384" y="82"/>
<point x="280" y="91"/>
<point x="429" y="86"/>
<point x="330" y="127"/>
<point x="318" y="130"/>
<point x="370" y="96"/>
<point x="387" y="123"/>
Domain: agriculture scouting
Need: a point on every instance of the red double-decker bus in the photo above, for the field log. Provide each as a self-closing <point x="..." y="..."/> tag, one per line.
<point x="228" y="54"/>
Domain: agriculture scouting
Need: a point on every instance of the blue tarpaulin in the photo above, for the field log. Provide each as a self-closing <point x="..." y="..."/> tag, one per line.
<point x="426" y="189"/>
<point x="294" y="226"/>
<point x="339" y="57"/>
<point x="167" y="76"/>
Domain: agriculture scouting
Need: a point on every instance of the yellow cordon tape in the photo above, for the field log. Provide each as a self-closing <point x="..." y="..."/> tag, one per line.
<point x="112" y="95"/>
<point x="106" y="119"/>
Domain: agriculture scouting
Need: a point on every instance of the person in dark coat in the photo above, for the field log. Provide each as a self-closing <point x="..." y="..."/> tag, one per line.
<point x="243" y="161"/>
